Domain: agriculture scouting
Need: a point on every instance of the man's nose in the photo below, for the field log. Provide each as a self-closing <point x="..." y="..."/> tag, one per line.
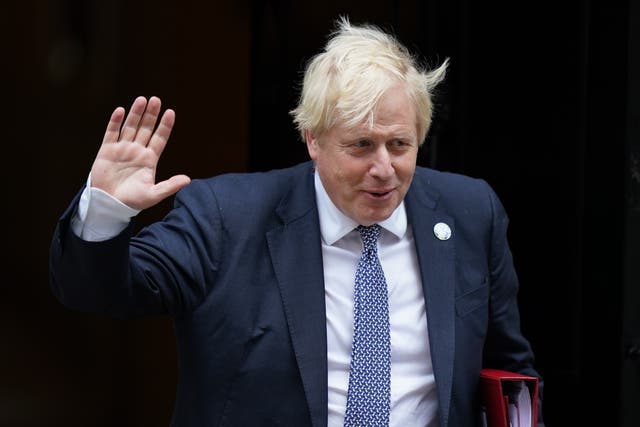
<point x="381" y="166"/>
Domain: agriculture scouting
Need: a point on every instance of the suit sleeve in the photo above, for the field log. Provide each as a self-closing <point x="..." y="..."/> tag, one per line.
<point x="505" y="347"/>
<point x="166" y="269"/>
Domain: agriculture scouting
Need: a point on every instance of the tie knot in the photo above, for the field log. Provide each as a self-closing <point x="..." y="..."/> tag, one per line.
<point x="369" y="236"/>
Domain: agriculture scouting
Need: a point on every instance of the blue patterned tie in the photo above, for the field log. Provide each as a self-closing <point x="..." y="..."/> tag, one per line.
<point x="369" y="396"/>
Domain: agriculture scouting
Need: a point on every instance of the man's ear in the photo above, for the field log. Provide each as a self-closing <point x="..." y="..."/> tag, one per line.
<point x="312" y="144"/>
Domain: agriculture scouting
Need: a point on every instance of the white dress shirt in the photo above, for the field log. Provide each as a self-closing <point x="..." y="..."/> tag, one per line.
<point x="413" y="391"/>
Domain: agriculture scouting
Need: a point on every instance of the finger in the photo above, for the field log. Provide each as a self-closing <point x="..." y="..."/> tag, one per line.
<point x="161" y="191"/>
<point x="148" y="122"/>
<point x="113" y="128"/>
<point x="161" y="135"/>
<point x="130" y="127"/>
<point x="171" y="186"/>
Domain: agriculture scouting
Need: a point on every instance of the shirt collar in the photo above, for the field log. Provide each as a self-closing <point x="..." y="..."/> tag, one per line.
<point x="334" y="225"/>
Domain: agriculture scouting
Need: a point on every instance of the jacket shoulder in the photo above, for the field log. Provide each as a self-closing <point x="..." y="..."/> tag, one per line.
<point x="450" y="184"/>
<point x="250" y="187"/>
<point x="248" y="200"/>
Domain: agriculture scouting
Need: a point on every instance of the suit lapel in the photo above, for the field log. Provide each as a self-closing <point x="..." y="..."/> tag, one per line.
<point x="296" y="254"/>
<point x="437" y="268"/>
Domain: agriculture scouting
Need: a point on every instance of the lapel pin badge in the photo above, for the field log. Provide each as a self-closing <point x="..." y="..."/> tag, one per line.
<point x="442" y="231"/>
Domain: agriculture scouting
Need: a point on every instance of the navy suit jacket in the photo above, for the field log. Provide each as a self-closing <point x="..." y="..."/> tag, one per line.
<point x="238" y="264"/>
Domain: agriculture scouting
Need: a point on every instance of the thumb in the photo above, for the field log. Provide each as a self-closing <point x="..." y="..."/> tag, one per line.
<point x="169" y="187"/>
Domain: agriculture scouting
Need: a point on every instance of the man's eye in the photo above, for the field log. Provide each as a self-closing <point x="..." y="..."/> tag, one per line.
<point x="398" y="143"/>
<point x="362" y="144"/>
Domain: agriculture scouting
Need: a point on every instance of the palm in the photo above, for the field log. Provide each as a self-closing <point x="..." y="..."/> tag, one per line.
<point x="125" y="166"/>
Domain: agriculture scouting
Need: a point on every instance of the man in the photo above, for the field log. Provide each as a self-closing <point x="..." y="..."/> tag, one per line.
<point x="281" y="317"/>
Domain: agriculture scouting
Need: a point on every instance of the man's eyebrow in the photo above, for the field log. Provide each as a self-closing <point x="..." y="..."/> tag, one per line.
<point x="366" y="134"/>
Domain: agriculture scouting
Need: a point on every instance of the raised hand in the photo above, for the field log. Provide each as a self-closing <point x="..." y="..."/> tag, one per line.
<point x="125" y="166"/>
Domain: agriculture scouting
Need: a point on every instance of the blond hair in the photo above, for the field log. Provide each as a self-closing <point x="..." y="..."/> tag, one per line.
<point x="344" y="82"/>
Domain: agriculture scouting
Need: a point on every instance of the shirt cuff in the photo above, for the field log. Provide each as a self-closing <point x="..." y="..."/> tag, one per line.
<point x="100" y="216"/>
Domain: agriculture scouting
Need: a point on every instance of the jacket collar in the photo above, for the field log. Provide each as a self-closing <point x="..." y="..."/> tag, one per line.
<point x="296" y="242"/>
<point x="437" y="268"/>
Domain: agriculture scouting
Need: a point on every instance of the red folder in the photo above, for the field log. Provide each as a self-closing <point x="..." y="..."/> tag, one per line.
<point x="494" y="400"/>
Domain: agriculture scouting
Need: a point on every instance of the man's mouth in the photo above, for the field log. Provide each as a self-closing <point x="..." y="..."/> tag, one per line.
<point x="379" y="194"/>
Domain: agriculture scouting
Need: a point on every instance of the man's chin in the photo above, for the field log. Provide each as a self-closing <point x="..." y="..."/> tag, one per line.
<point x="374" y="217"/>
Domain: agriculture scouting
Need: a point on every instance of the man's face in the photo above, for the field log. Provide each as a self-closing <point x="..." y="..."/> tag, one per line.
<point x="367" y="170"/>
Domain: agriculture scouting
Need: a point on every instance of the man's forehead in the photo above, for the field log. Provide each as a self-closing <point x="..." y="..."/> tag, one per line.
<point x="367" y="128"/>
